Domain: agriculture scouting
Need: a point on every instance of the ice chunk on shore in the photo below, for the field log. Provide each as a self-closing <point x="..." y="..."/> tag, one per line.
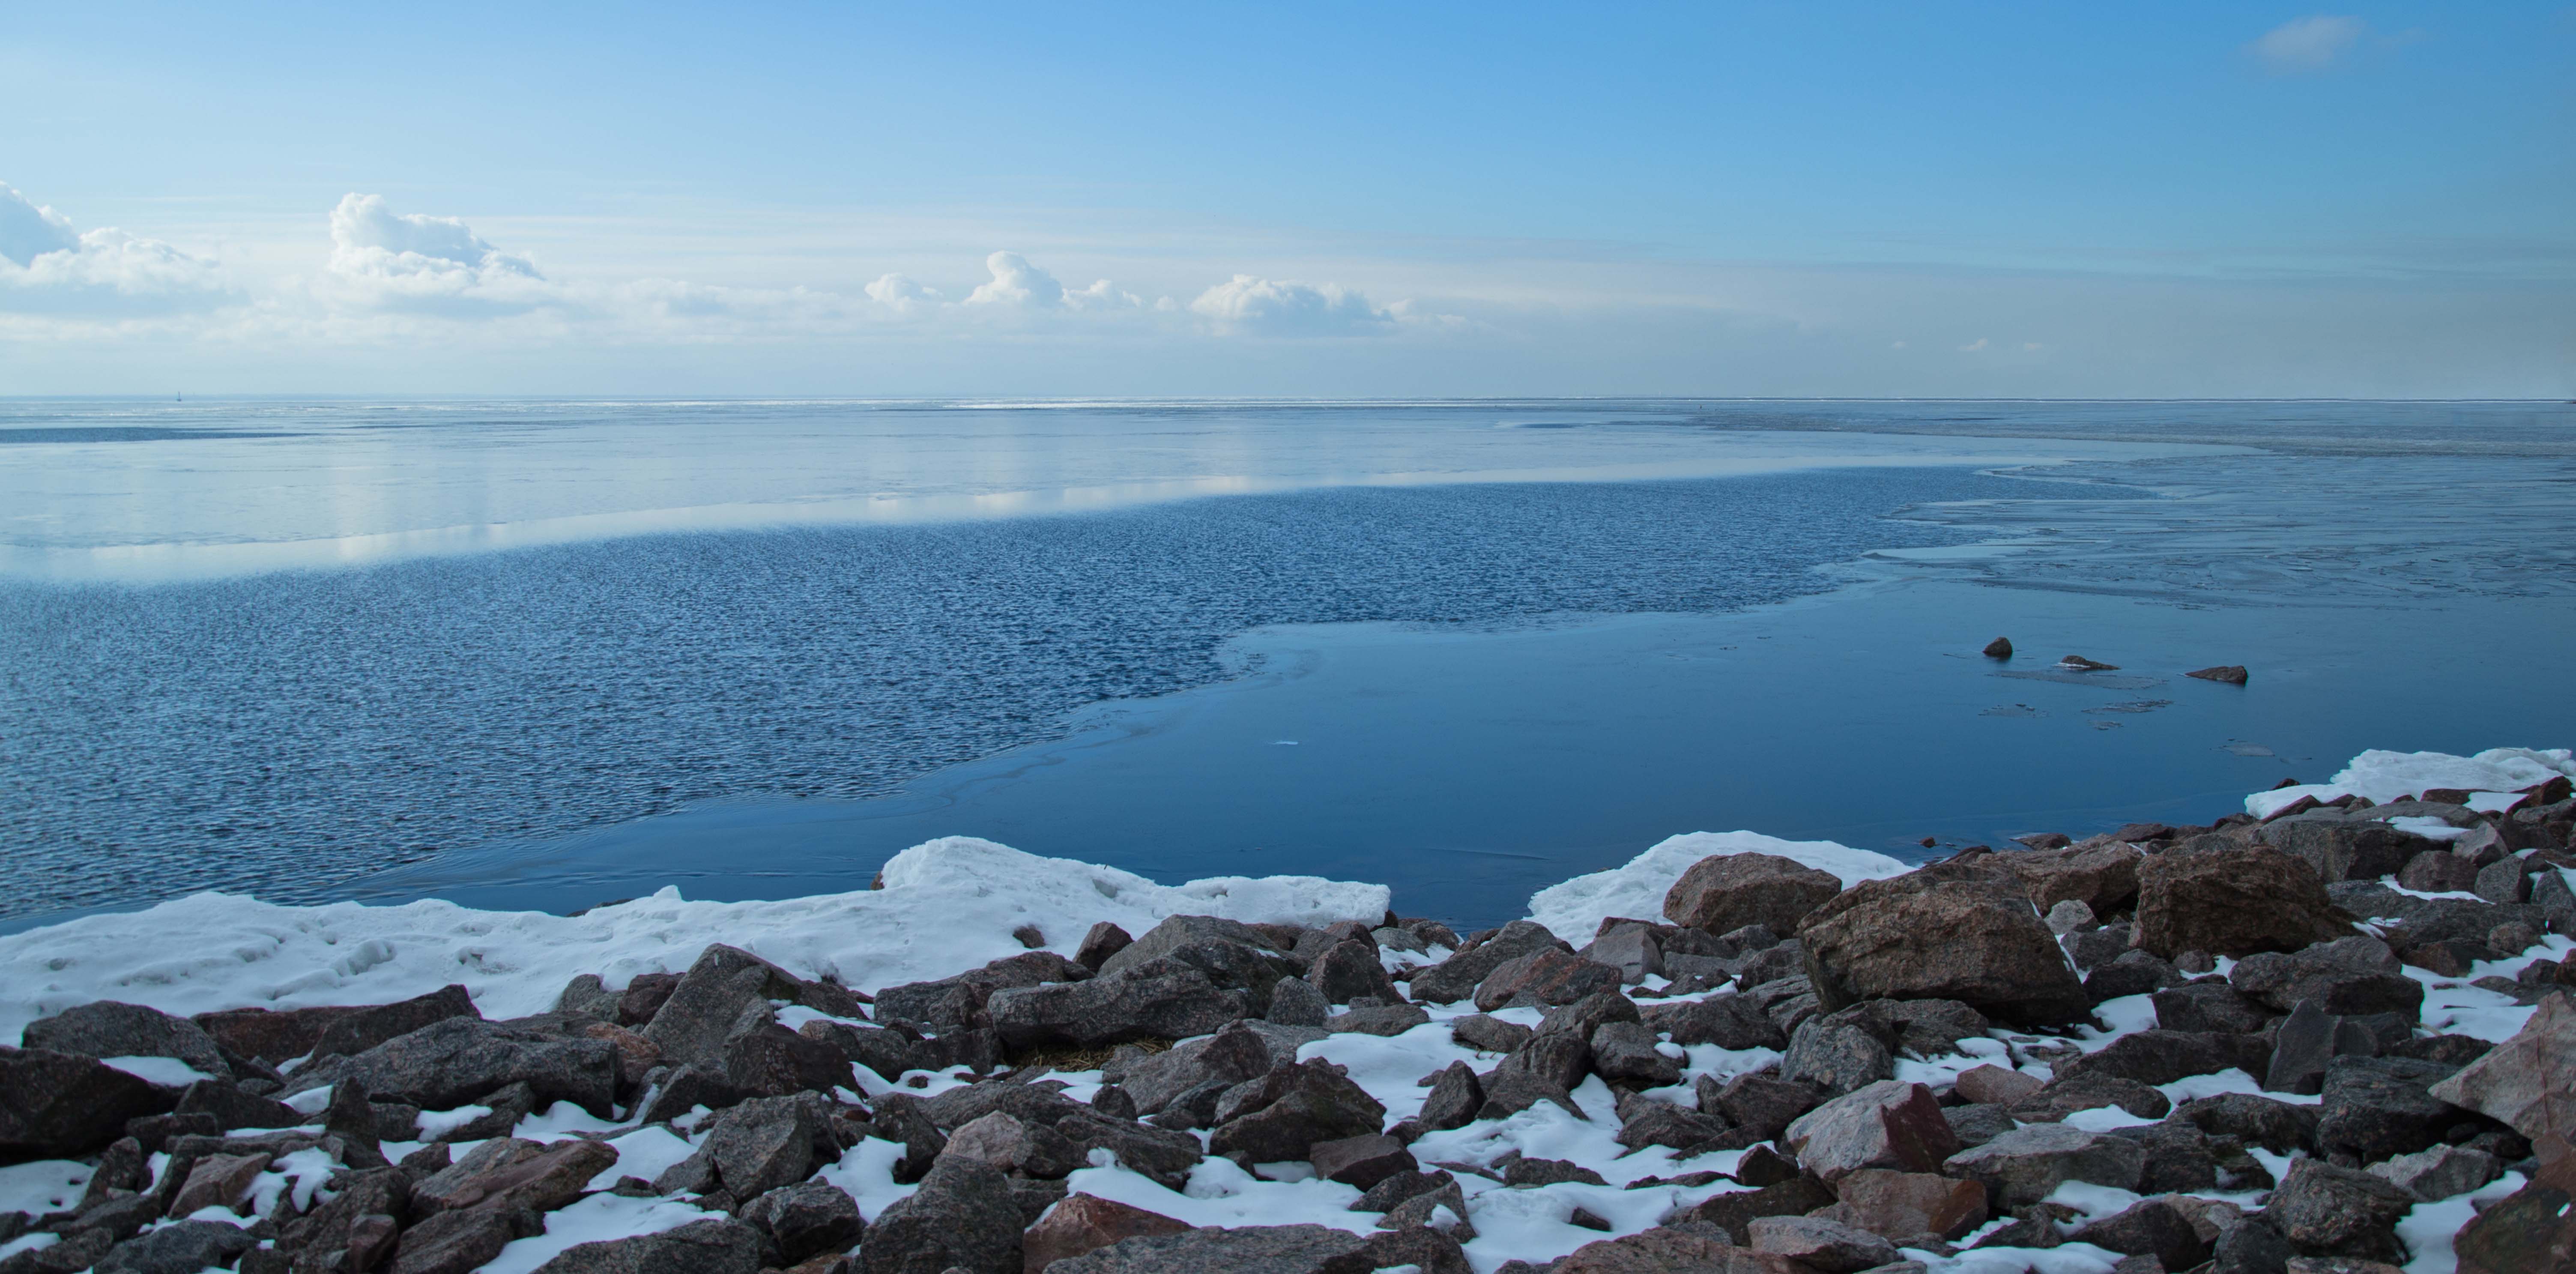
<point x="2385" y="776"/>
<point x="947" y="905"/>
<point x="1574" y="909"/>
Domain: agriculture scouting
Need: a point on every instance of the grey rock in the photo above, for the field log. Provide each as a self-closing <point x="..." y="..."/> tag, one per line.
<point x="2277" y="1126"/>
<point x="1458" y="976"/>
<point x="2379" y="1107"/>
<point x="106" y="1028"/>
<point x="1589" y="1014"/>
<point x="1931" y="1028"/>
<point x="2440" y="1172"/>
<point x="2341" y="848"/>
<point x="707" y="1004"/>
<point x="183" y="1248"/>
<point x="962" y="1217"/>
<point x="1975" y="1125"/>
<point x="1632" y="949"/>
<point x="1112" y="1009"/>
<point x="1007" y="1144"/>
<point x="1316" y="1103"/>
<point x="2068" y="916"/>
<point x="1763" y="1105"/>
<point x="2252" y="1246"/>
<point x="1347" y="971"/>
<point x="714" y="1246"/>
<point x="2338" y="986"/>
<point x="1455" y="1097"/>
<point x="1728" y="891"/>
<point x="1393" y="1190"/>
<point x="1545" y="977"/>
<point x="2301" y="1049"/>
<point x="59" y="1105"/>
<point x="1491" y="1034"/>
<point x="2153" y="1228"/>
<point x="1361" y="1161"/>
<point x="1229" y="1057"/>
<point x="1294" y="1002"/>
<point x="2133" y="973"/>
<point x="2212" y="895"/>
<point x="1995" y="955"/>
<point x="459" y="1241"/>
<point x="510" y="1174"/>
<point x="2208" y="1006"/>
<point x="891" y="1052"/>
<point x="351" y="1033"/>
<point x="1376" y="1019"/>
<point x="2324" y="1210"/>
<point x="2522" y="1082"/>
<point x="1176" y="932"/>
<point x="763" y="1144"/>
<point x="1842" y="1051"/>
<point x="1643" y="1122"/>
<point x="1280" y="1249"/>
<point x="2023" y="1166"/>
<point x="1825" y="1246"/>
<point x="1101" y="942"/>
<point x="956" y="1003"/>
<point x="1626" y="1052"/>
<point x="1728" y="1021"/>
<point x="1888" y="1124"/>
<point x="2161" y="1057"/>
<point x="1163" y="1155"/>
<point x="455" y="1061"/>
<point x="2091" y="1091"/>
<point x="807" y="1218"/>
<point x="234" y="1108"/>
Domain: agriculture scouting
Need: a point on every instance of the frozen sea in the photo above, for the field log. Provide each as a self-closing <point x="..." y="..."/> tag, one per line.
<point x="545" y="654"/>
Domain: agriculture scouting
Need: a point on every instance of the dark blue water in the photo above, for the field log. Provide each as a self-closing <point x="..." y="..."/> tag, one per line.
<point x="283" y="733"/>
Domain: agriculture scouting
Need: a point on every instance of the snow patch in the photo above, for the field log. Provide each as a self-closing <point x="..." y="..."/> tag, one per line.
<point x="1574" y="909"/>
<point x="947" y="905"/>
<point x="160" y="1072"/>
<point x="2385" y="776"/>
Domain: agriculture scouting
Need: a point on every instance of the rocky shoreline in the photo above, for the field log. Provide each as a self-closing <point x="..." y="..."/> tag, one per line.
<point x="2333" y="1036"/>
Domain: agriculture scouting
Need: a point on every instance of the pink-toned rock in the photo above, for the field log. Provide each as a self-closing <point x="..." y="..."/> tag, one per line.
<point x="2103" y="877"/>
<point x="1081" y="1224"/>
<point x="1994" y="1085"/>
<point x="1907" y="1205"/>
<point x="2529" y="1081"/>
<point x="1544" y="978"/>
<point x="218" y="1181"/>
<point x="1889" y="1124"/>
<point x="1725" y="892"/>
<point x="1662" y="1250"/>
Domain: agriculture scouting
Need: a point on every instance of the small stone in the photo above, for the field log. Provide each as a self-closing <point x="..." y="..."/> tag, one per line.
<point x="1083" y="1224"/>
<point x="219" y="1181"/>
<point x="1999" y="648"/>
<point x="2153" y="1228"/>
<point x="2232" y="674"/>
<point x="1103" y="941"/>
<point x="2325" y="1210"/>
<point x="2025" y="1165"/>
<point x="1902" y="1205"/>
<point x="1361" y="1161"/>
<point x="1993" y="1084"/>
<point x="1888" y="1124"/>
<point x="2069" y="916"/>
<point x="806" y="1219"/>
<point x="1456" y="1096"/>
<point x="2440" y="1172"/>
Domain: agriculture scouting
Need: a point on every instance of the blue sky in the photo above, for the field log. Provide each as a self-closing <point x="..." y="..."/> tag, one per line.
<point x="2164" y="200"/>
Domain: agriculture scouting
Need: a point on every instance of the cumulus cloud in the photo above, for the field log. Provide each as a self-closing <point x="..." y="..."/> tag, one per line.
<point x="1018" y="283"/>
<point x="2307" y="44"/>
<point x="407" y="260"/>
<point x="1266" y="307"/>
<point x="900" y="293"/>
<point x="46" y="266"/>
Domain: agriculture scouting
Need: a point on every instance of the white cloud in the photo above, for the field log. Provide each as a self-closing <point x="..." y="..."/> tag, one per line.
<point x="900" y="293"/>
<point x="48" y="267"/>
<point x="1016" y="282"/>
<point x="1266" y="307"/>
<point x="411" y="261"/>
<point x="2312" y="43"/>
<point x="1973" y="346"/>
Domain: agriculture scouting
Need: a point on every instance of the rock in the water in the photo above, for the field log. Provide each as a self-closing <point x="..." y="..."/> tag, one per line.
<point x="2324" y="1210"/>
<point x="715" y="1246"/>
<point x="962" y="1217"/>
<point x="2524" y="1082"/>
<point x="1999" y="648"/>
<point x="2210" y="894"/>
<point x="1082" y="1224"/>
<point x="1724" y="892"/>
<point x="1994" y="952"/>
<point x="2025" y="1165"/>
<point x="106" y="1028"/>
<point x="1819" y="1243"/>
<point x="807" y="1218"/>
<point x="1905" y="1206"/>
<point x="57" y="1105"/>
<point x="1458" y="976"/>
<point x="2232" y="674"/>
<point x="1884" y="1125"/>
<point x="1112" y="1009"/>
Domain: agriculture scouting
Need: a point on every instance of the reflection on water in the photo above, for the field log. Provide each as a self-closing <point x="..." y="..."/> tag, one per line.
<point x="228" y="489"/>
